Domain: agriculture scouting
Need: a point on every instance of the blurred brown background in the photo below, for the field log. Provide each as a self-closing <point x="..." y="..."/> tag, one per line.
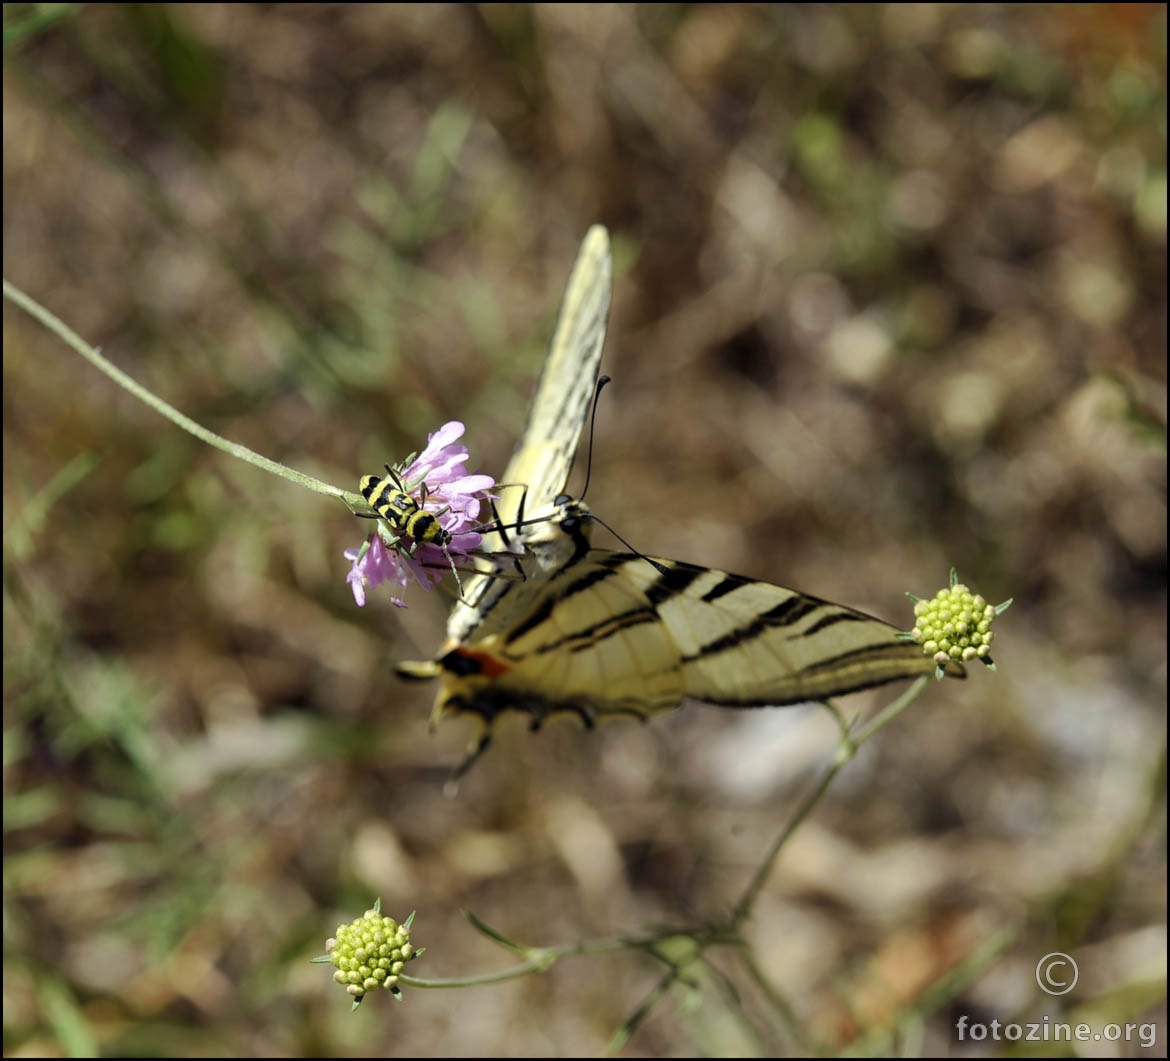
<point x="890" y="296"/>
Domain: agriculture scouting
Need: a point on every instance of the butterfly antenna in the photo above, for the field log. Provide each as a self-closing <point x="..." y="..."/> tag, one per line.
<point x="499" y="528"/>
<point x="653" y="563"/>
<point x="601" y="382"/>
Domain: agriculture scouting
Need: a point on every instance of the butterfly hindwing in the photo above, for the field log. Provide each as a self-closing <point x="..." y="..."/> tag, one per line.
<point x="616" y="634"/>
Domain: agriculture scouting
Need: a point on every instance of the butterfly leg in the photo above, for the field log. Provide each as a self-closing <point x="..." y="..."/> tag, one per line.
<point x="539" y="711"/>
<point x="520" y="507"/>
<point x="503" y="532"/>
<point x="497" y="527"/>
<point x="475" y="750"/>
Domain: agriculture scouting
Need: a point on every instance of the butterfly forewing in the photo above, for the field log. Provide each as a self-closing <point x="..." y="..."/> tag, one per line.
<point x="559" y="409"/>
<point x="616" y="634"/>
<point x="561" y="404"/>
<point x="742" y="642"/>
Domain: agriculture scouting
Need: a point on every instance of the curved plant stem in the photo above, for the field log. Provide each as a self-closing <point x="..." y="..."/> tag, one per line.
<point x="846" y="750"/>
<point x="94" y="357"/>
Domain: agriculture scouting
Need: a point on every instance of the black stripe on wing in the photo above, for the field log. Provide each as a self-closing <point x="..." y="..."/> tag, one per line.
<point x="723" y="587"/>
<point x="556" y="595"/>
<point x="904" y="660"/>
<point x="669" y="583"/>
<point x="783" y="614"/>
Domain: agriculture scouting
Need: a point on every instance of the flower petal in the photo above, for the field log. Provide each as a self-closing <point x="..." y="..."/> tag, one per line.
<point x="446" y="434"/>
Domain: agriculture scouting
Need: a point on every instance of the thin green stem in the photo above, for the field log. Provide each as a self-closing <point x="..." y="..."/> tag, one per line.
<point x="743" y="907"/>
<point x="630" y="1025"/>
<point x="540" y="959"/>
<point x="800" y="1035"/>
<point x="846" y="749"/>
<point x="890" y="712"/>
<point x="523" y="969"/>
<point x="734" y="1002"/>
<point x="91" y="354"/>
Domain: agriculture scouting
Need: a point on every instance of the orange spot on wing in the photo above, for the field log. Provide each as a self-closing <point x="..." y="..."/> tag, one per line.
<point x="489" y="666"/>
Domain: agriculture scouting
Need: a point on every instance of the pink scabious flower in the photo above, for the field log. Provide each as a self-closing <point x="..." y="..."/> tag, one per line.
<point x="449" y="487"/>
<point x="452" y="495"/>
<point x="374" y="564"/>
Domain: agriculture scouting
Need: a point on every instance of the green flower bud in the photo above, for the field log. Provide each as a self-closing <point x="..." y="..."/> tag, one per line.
<point x="370" y="952"/>
<point x="954" y="624"/>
